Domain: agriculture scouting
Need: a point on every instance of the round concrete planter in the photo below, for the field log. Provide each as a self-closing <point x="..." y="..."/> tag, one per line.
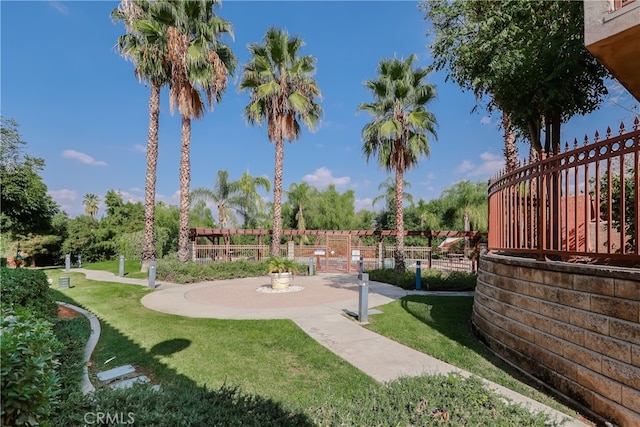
<point x="281" y="280"/>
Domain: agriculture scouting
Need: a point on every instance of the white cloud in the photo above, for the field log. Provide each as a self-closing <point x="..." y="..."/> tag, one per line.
<point x="59" y="7"/>
<point x="82" y="157"/>
<point x="172" y="199"/>
<point x="322" y="177"/>
<point x="489" y="165"/>
<point x="365" y="203"/>
<point x="63" y="195"/>
<point x="139" y="147"/>
<point x="485" y="120"/>
<point x="465" y="166"/>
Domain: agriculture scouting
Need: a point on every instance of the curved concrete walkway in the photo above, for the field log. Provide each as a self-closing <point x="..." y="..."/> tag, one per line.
<point x="319" y="309"/>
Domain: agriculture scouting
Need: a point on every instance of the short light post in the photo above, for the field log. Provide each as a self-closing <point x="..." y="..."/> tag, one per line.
<point x="121" y="267"/>
<point x="363" y="300"/>
<point x="152" y="274"/>
<point x="418" y="276"/>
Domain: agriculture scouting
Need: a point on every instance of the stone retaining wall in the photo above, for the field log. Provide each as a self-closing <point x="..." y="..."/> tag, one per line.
<point x="574" y="327"/>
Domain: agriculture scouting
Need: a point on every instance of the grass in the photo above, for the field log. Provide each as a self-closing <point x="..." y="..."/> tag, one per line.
<point x="440" y="326"/>
<point x="275" y="360"/>
<point x="131" y="268"/>
<point x="271" y="358"/>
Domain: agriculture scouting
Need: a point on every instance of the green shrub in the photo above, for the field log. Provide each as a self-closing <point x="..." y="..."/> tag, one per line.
<point x="29" y="289"/>
<point x="433" y="280"/>
<point x="72" y="335"/>
<point x="430" y="400"/>
<point x="180" y="403"/>
<point x="173" y="270"/>
<point x="29" y="380"/>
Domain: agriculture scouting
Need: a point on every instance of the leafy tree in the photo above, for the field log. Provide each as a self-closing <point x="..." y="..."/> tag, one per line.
<point x="283" y="93"/>
<point x="83" y="238"/>
<point x="91" y="202"/>
<point x="527" y="56"/>
<point x="299" y="197"/>
<point x="26" y="206"/>
<point x="150" y="57"/>
<point x="200" y="216"/>
<point x="467" y="205"/>
<point x="397" y="135"/>
<point x="628" y="228"/>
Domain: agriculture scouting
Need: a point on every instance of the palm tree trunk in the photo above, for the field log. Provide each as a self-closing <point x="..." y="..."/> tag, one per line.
<point x="185" y="180"/>
<point x="400" y="266"/>
<point x="277" y="198"/>
<point x="149" y="250"/>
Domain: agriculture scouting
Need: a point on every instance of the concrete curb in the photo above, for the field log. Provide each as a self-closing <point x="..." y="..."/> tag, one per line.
<point x="86" y="385"/>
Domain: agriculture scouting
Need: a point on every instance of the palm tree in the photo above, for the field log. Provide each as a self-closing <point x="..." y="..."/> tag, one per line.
<point x="389" y="195"/>
<point x="199" y="62"/>
<point x="397" y="135"/>
<point x="283" y="92"/>
<point x="298" y="197"/>
<point x="149" y="55"/>
<point x="219" y="196"/>
<point x="247" y="200"/>
<point x="91" y="202"/>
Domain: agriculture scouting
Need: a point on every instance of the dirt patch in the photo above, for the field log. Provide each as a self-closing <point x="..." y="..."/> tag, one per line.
<point x="67" y="313"/>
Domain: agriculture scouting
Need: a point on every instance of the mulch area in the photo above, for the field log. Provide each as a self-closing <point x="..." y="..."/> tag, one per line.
<point x="67" y="313"/>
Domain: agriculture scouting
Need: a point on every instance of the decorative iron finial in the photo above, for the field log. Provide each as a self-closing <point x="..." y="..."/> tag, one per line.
<point x="608" y="132"/>
<point x="621" y="128"/>
<point x="597" y="137"/>
<point x="575" y="143"/>
<point x="636" y="123"/>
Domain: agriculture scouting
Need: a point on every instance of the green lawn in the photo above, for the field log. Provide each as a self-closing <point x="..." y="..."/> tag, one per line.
<point x="274" y="358"/>
<point x="271" y="358"/>
<point x="131" y="267"/>
<point x="441" y="327"/>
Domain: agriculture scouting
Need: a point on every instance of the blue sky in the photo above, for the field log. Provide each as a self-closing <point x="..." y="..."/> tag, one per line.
<point x="82" y="110"/>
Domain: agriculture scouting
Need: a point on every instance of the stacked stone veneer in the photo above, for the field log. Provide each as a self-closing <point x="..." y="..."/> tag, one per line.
<point x="574" y="327"/>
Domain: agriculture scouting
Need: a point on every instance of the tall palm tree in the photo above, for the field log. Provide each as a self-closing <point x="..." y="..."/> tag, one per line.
<point x="200" y="64"/>
<point x="283" y="93"/>
<point x="91" y="203"/>
<point x="219" y="196"/>
<point x="397" y="135"/>
<point x="149" y="55"/>
<point x="247" y="200"/>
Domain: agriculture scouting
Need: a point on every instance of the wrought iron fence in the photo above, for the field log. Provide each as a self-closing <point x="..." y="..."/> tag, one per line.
<point x="581" y="204"/>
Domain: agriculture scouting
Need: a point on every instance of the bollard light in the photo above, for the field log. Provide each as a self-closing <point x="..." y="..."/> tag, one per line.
<point x="152" y="274"/>
<point x="121" y="268"/>
<point x="310" y="266"/>
<point x="418" y="276"/>
<point x="67" y="262"/>
<point x="363" y="300"/>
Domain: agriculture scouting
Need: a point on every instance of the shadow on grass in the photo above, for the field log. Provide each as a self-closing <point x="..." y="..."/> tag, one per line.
<point x="179" y="402"/>
<point x="166" y="348"/>
<point x="451" y="317"/>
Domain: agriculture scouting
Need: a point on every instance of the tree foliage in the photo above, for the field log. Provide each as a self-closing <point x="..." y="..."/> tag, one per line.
<point x="283" y="93"/>
<point x="398" y="134"/>
<point x="26" y="206"/>
<point x="527" y="56"/>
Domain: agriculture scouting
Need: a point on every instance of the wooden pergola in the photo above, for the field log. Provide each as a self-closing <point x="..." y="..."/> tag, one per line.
<point x="223" y="235"/>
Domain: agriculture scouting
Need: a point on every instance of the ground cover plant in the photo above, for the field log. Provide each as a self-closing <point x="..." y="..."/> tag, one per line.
<point x="431" y="280"/>
<point x="272" y="361"/>
<point x="441" y="327"/>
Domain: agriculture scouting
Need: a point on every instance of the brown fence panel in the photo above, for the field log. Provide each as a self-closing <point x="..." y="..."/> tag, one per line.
<point x="581" y="204"/>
